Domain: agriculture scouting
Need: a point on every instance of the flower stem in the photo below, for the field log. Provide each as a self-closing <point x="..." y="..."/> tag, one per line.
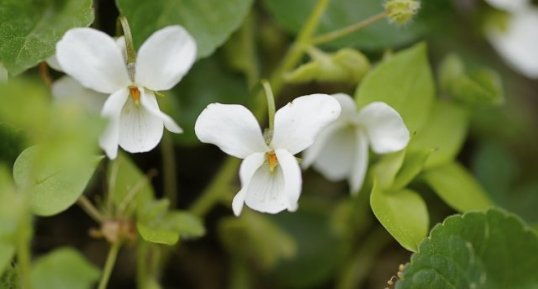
<point x="44" y="74"/>
<point x="131" y="53"/>
<point x="24" y="262"/>
<point x="169" y="170"/>
<point x="90" y="209"/>
<point x="270" y="103"/>
<point x="331" y="36"/>
<point x="109" y="265"/>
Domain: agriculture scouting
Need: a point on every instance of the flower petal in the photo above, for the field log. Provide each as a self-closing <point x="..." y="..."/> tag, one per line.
<point x="165" y="58"/>
<point x="54" y="64"/>
<point x="332" y="150"/>
<point x="248" y="167"/>
<point x="519" y="42"/>
<point x="94" y="59"/>
<point x="292" y="177"/>
<point x="298" y="123"/>
<point x="67" y="89"/>
<point x="140" y="130"/>
<point x="149" y="102"/>
<point x="232" y="128"/>
<point x="348" y="105"/>
<point x="384" y="126"/>
<point x="360" y="163"/>
<point x="266" y="191"/>
<point x="509" y="5"/>
<point x="112" y="110"/>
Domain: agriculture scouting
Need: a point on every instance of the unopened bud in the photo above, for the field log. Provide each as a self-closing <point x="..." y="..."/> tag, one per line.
<point x="401" y="11"/>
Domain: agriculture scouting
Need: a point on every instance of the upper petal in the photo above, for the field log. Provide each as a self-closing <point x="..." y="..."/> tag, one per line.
<point x="232" y="128"/>
<point x="53" y="63"/>
<point x="292" y="177"/>
<point x="140" y="130"/>
<point x="298" y="123"/>
<point x="360" y="163"/>
<point x="112" y="110"/>
<point x="519" y="42"/>
<point x="165" y="58"/>
<point x="384" y="126"/>
<point x="93" y="58"/>
<point x="266" y="191"/>
<point x="67" y="89"/>
<point x="348" y="105"/>
<point x="149" y="102"/>
<point x="248" y="167"/>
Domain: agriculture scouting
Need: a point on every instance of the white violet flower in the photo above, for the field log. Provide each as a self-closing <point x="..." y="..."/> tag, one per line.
<point x="270" y="175"/>
<point x="95" y="60"/>
<point x="341" y="149"/>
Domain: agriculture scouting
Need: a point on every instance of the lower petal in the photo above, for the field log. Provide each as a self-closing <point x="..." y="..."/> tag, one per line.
<point x="292" y="177"/>
<point x="112" y="110"/>
<point x="149" y="102"/>
<point x="360" y="163"/>
<point x="140" y="130"/>
<point x="249" y="166"/>
<point x="266" y="191"/>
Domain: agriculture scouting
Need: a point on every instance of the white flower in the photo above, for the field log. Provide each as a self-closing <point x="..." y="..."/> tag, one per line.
<point x="270" y="175"/>
<point x="509" y="5"/>
<point x="517" y="43"/>
<point x="341" y="149"/>
<point x="97" y="62"/>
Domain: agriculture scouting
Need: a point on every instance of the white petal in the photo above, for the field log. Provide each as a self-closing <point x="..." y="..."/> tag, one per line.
<point x="248" y="167"/>
<point x="149" y="101"/>
<point x="360" y="163"/>
<point x="54" y="64"/>
<point x="509" y="5"/>
<point x="518" y="45"/>
<point x="232" y="128"/>
<point x="384" y="126"/>
<point x="140" y="130"/>
<point x="67" y="89"/>
<point x="112" y="110"/>
<point x="94" y="59"/>
<point x="292" y="177"/>
<point x="334" y="151"/>
<point x="348" y="105"/>
<point x="266" y="190"/>
<point x="165" y="58"/>
<point x="298" y="123"/>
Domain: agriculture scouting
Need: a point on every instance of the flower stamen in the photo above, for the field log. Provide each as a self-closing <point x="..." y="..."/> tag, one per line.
<point x="135" y="94"/>
<point x="272" y="160"/>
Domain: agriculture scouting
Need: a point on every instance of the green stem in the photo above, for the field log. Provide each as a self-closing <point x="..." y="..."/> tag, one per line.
<point x="90" y="209"/>
<point x="129" y="45"/>
<point x="169" y="170"/>
<point x="142" y="271"/>
<point x="270" y="104"/>
<point x="24" y="260"/>
<point x="331" y="36"/>
<point x="109" y="265"/>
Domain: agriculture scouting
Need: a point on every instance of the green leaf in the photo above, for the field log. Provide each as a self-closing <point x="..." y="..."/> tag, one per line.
<point x="52" y="186"/>
<point x="403" y="213"/>
<point x="404" y="81"/>
<point x="457" y="187"/>
<point x="157" y="225"/>
<point x="444" y="132"/>
<point x="6" y="254"/>
<point x="474" y="87"/>
<point x="395" y="170"/>
<point x="210" y="22"/>
<point x="31" y="29"/>
<point x="340" y="13"/>
<point x="413" y="165"/>
<point x="64" y="268"/>
<point x="480" y="250"/>
<point x="386" y="169"/>
<point x="194" y="93"/>
<point x="12" y="144"/>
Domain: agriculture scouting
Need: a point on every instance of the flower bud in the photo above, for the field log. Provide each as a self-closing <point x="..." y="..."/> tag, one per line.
<point x="401" y="11"/>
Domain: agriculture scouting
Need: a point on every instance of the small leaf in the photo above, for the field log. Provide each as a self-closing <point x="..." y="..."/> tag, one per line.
<point x="403" y="213"/>
<point x="482" y="250"/>
<point x="411" y="89"/>
<point x="31" y="29"/>
<point x="52" y="187"/>
<point x="444" y="132"/>
<point x="64" y="268"/>
<point x="457" y="187"/>
<point x="210" y="22"/>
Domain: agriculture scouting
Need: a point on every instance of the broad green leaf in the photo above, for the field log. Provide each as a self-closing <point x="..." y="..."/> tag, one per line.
<point x="30" y="29"/>
<point x="256" y="237"/>
<point x="158" y="225"/>
<point x="403" y="213"/>
<point x="474" y="87"/>
<point x="444" y="133"/>
<point x="386" y="169"/>
<point x="457" y="187"/>
<point x="6" y="254"/>
<point x="210" y="22"/>
<point x="292" y="15"/>
<point x="404" y="81"/>
<point x="52" y="186"/>
<point x="195" y="92"/>
<point x="479" y="250"/>
<point x="64" y="268"/>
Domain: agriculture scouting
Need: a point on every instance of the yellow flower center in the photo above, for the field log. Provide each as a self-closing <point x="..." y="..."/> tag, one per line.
<point x="135" y="94"/>
<point x="272" y="160"/>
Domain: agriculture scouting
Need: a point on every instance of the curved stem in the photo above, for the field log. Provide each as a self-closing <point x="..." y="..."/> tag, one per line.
<point x="131" y="53"/>
<point x="270" y="104"/>
<point x="109" y="265"/>
<point x="90" y="209"/>
<point x="331" y="36"/>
